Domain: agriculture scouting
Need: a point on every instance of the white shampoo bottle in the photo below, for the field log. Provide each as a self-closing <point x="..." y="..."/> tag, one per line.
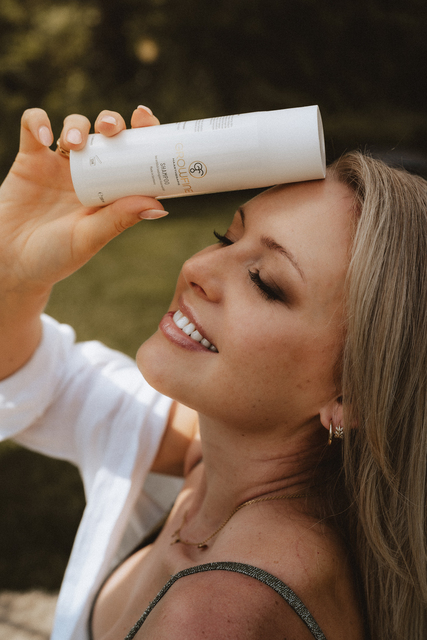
<point x="244" y="151"/>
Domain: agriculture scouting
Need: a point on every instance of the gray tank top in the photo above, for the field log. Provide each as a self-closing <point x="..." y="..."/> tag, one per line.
<point x="253" y="572"/>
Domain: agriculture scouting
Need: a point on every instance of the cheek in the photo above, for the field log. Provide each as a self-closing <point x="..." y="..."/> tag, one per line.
<point x="290" y="365"/>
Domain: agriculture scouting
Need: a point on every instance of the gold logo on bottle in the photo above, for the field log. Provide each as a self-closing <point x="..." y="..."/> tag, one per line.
<point x="198" y="169"/>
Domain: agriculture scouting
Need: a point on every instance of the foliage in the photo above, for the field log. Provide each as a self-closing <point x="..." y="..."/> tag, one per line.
<point x="362" y="62"/>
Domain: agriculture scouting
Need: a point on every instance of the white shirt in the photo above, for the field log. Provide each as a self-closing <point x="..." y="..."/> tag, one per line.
<point x="89" y="405"/>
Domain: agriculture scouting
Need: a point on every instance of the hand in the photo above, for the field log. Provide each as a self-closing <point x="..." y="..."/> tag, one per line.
<point x="46" y="233"/>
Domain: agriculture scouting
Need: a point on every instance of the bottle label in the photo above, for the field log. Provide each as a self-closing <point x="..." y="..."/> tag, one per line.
<point x="204" y="151"/>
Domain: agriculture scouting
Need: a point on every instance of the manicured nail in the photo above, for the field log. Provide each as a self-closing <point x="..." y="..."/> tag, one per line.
<point x="109" y="120"/>
<point x="45" y="136"/>
<point x="153" y="214"/>
<point x="74" y="136"/>
<point x="147" y="109"/>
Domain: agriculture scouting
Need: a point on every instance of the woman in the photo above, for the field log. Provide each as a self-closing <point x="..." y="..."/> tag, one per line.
<point x="313" y="306"/>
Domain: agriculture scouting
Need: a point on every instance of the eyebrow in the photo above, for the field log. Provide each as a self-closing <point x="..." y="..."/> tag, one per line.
<point x="269" y="243"/>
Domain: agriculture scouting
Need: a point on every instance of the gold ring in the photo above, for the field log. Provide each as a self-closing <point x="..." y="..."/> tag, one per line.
<point x="61" y="150"/>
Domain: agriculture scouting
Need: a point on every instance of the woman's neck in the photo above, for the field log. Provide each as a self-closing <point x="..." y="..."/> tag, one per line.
<point x="240" y="466"/>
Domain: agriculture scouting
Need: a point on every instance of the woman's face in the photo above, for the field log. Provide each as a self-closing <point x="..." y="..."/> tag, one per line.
<point x="269" y="298"/>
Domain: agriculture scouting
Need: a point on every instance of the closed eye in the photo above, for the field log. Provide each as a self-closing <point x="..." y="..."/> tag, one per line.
<point x="271" y="293"/>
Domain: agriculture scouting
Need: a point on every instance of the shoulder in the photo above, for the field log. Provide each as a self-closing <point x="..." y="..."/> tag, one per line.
<point x="310" y="558"/>
<point x="294" y="546"/>
<point x="320" y="569"/>
<point x="220" y="605"/>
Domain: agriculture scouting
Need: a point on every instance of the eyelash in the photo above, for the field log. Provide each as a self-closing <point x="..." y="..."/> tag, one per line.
<point x="223" y="240"/>
<point x="266" y="291"/>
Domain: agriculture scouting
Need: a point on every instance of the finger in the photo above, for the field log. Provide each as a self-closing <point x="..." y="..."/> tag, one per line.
<point x="109" y="123"/>
<point x="143" y="117"/>
<point x="74" y="133"/>
<point x="108" y="222"/>
<point x="36" y="130"/>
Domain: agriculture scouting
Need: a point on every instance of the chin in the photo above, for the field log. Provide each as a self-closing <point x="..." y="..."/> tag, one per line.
<point x="151" y="362"/>
<point x="156" y="365"/>
<point x="163" y="369"/>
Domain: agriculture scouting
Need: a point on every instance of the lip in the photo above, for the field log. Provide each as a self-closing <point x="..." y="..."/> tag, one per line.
<point x="169" y="329"/>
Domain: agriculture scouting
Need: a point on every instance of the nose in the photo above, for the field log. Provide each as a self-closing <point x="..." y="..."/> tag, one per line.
<point x="204" y="273"/>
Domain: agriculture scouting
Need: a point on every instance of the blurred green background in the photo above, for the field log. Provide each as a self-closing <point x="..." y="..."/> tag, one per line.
<point x="363" y="62"/>
<point x="119" y="298"/>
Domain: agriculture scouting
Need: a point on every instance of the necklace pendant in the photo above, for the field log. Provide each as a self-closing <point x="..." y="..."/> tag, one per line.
<point x="202" y="546"/>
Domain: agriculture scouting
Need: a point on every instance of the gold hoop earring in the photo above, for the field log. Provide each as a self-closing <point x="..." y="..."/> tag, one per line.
<point x="331" y="433"/>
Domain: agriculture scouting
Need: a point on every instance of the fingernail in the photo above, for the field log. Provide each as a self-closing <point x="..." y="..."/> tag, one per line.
<point x="147" y="109"/>
<point x="45" y="136"/>
<point x="74" y="136"/>
<point x="153" y="214"/>
<point x="108" y="120"/>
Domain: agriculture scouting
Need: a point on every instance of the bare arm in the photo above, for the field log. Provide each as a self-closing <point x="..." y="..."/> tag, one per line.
<point x="180" y="449"/>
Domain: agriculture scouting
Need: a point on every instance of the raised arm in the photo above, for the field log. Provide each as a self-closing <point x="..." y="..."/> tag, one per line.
<point x="46" y="234"/>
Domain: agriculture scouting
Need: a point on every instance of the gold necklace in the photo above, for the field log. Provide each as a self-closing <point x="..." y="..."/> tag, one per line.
<point x="203" y="545"/>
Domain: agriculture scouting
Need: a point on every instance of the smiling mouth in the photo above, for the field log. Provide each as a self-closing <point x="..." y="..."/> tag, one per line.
<point x="189" y="328"/>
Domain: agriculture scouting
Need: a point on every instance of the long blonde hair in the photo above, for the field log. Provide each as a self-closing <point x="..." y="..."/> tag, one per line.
<point x="385" y="393"/>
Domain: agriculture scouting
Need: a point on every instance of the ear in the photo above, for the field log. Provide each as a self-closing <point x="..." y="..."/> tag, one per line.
<point x="332" y="412"/>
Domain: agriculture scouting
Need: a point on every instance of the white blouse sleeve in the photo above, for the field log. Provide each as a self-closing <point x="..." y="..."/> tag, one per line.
<point x="84" y="403"/>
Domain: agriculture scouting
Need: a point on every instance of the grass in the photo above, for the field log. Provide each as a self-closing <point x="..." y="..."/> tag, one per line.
<point x="118" y="298"/>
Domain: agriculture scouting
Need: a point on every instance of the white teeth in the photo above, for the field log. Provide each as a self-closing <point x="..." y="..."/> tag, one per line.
<point x="183" y="323"/>
<point x="189" y="329"/>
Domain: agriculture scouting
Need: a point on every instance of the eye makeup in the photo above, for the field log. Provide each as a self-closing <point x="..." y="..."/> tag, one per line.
<point x="270" y="292"/>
